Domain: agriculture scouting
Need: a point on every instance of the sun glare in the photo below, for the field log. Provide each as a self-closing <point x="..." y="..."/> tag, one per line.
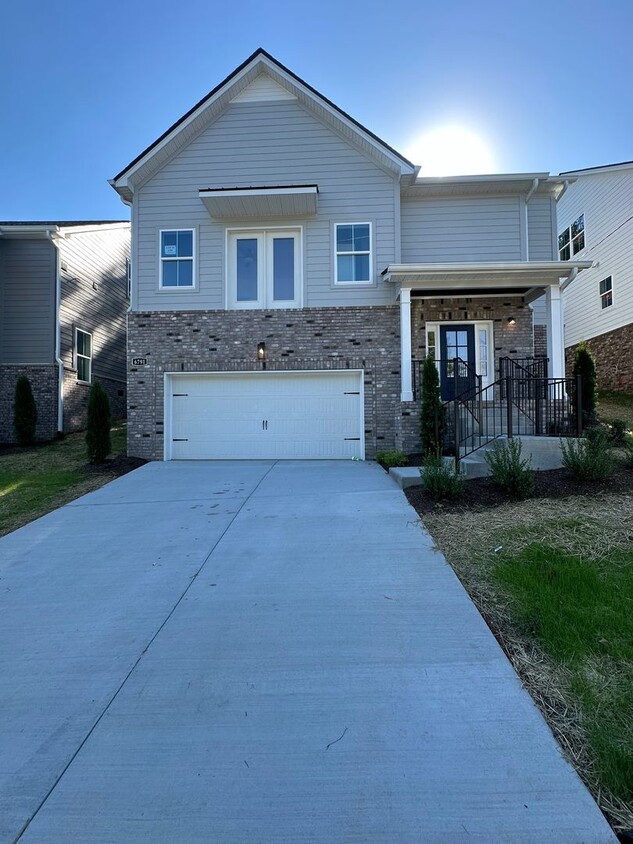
<point x="451" y="151"/>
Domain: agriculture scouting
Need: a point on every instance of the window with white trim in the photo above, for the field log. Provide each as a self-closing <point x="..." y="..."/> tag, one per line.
<point x="177" y="259"/>
<point x="572" y="239"/>
<point x="606" y="292"/>
<point x="353" y="253"/>
<point x="264" y="268"/>
<point x="83" y="355"/>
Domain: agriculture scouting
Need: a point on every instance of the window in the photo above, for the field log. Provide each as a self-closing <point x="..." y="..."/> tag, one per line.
<point x="176" y="258"/>
<point x="83" y="355"/>
<point x="606" y="292"/>
<point x="264" y="268"/>
<point x="353" y="253"/>
<point x="483" y="352"/>
<point x="431" y="343"/>
<point x="572" y="239"/>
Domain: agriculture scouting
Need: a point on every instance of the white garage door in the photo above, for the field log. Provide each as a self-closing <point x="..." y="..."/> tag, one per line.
<point x="264" y="415"/>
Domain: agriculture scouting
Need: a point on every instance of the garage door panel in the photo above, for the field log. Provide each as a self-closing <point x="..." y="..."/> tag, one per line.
<point x="265" y="416"/>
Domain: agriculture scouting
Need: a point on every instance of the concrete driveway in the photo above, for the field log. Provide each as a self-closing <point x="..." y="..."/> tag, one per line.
<point x="261" y="652"/>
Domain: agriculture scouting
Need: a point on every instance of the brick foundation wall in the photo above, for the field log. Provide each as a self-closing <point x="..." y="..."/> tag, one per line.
<point x="76" y="400"/>
<point x="365" y="338"/>
<point x="613" y="355"/>
<point x="44" y="386"/>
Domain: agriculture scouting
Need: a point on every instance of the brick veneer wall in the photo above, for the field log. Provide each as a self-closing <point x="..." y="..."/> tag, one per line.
<point x="365" y="338"/>
<point x="44" y="386"/>
<point x="540" y="341"/>
<point x="613" y="355"/>
<point x="76" y="400"/>
<point x="509" y="340"/>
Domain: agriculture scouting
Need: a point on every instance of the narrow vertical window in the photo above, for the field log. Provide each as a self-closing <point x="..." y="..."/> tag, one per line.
<point x="483" y="352"/>
<point x="83" y="355"/>
<point x="606" y="292"/>
<point x="176" y="258"/>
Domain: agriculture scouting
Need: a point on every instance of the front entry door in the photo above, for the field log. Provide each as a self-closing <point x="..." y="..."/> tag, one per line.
<point x="457" y="341"/>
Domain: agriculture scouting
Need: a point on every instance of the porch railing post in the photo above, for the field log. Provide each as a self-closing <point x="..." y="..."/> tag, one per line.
<point x="579" y="405"/>
<point x="457" y="433"/>
<point x="508" y="384"/>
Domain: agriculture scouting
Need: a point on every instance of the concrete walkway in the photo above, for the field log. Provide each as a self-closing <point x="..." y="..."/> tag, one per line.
<point x="261" y="652"/>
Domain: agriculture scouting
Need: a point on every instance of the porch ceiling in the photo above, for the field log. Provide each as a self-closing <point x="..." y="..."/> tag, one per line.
<point x="262" y="202"/>
<point x="432" y="279"/>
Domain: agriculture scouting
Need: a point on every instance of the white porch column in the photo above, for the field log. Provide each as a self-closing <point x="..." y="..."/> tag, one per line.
<point x="406" y="385"/>
<point x="555" y="336"/>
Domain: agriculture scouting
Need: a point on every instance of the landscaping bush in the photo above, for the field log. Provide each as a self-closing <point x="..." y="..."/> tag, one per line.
<point x="98" y="430"/>
<point x="441" y="480"/>
<point x="585" y="367"/>
<point x="589" y="459"/>
<point x="24" y="412"/>
<point x="431" y="415"/>
<point x="618" y="432"/>
<point x="509" y="470"/>
<point x="389" y="459"/>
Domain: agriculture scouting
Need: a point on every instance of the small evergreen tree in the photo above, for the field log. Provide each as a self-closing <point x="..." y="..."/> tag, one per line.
<point x="431" y="416"/>
<point x="585" y="367"/>
<point x="98" y="430"/>
<point x="24" y="412"/>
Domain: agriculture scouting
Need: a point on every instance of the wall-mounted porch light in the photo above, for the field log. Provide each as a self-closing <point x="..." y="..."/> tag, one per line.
<point x="511" y="320"/>
<point x="261" y="351"/>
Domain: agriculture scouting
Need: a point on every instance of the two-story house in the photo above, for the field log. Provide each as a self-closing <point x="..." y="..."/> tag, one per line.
<point x="289" y="269"/>
<point x="595" y="223"/>
<point x="63" y="304"/>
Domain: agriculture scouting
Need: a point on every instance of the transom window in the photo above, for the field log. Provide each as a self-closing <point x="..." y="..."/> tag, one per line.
<point x="264" y="268"/>
<point x="572" y="239"/>
<point x="176" y="258"/>
<point x="83" y="355"/>
<point x="606" y="292"/>
<point x="353" y="253"/>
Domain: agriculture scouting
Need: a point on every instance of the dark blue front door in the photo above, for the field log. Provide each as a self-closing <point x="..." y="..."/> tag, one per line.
<point x="457" y="341"/>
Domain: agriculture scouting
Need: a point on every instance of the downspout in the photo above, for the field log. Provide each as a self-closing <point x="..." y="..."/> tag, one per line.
<point x="565" y="186"/>
<point x="58" y="333"/>
<point x="535" y="184"/>
<point x="572" y="275"/>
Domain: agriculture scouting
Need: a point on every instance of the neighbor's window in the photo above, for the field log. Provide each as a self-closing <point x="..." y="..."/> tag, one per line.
<point x="572" y="239"/>
<point x="176" y="258"/>
<point x="606" y="292"/>
<point x="353" y="253"/>
<point x="83" y="355"/>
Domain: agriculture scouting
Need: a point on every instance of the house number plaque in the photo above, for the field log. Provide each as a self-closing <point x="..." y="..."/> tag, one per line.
<point x="139" y="361"/>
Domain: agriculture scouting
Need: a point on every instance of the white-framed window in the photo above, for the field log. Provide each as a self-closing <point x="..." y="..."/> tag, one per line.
<point x="353" y="260"/>
<point x="264" y="268"/>
<point x="606" y="292"/>
<point x="572" y="239"/>
<point x="177" y="251"/>
<point x="83" y="355"/>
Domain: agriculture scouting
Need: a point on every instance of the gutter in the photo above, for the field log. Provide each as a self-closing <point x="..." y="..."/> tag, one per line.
<point x="54" y="237"/>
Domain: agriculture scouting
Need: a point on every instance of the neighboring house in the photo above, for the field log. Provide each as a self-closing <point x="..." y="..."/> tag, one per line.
<point x="63" y="302"/>
<point x="289" y="269"/>
<point x="595" y="223"/>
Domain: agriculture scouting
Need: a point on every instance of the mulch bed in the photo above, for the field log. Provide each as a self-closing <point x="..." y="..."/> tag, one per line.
<point x="115" y="466"/>
<point x="482" y="493"/>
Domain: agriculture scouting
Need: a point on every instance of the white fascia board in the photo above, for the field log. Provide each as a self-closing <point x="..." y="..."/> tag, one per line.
<point x="490" y="177"/>
<point x="543" y="269"/>
<point x="44" y="232"/>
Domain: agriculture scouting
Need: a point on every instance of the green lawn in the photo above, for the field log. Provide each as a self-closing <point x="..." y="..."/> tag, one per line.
<point x="616" y="406"/>
<point x="34" y="481"/>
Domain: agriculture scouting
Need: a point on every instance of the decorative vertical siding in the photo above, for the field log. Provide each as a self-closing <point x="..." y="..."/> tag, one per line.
<point x="265" y="143"/>
<point x="27" y="301"/>
<point x="606" y="200"/>
<point x="461" y="229"/>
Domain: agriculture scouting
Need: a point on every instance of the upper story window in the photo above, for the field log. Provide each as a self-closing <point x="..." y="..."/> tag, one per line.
<point x="176" y="258"/>
<point x="572" y="239"/>
<point x="606" y="292"/>
<point x="83" y="355"/>
<point x="264" y="268"/>
<point x="353" y="253"/>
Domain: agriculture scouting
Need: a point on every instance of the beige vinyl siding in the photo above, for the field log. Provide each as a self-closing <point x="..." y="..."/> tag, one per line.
<point x="461" y="229"/>
<point x="94" y="297"/>
<point x="541" y="209"/>
<point x="265" y="143"/>
<point x="27" y="301"/>
<point x="606" y="200"/>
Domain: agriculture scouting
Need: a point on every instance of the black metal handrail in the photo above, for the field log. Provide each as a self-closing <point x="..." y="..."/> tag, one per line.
<point x="459" y="365"/>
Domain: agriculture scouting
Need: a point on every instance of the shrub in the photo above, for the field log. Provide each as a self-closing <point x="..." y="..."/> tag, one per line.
<point x="24" y="412"/>
<point x="618" y="432"/>
<point x="441" y="480"/>
<point x="98" y="430"/>
<point x="508" y="470"/>
<point x="431" y="415"/>
<point x="585" y="367"/>
<point x="388" y="459"/>
<point x="628" y="457"/>
<point x="590" y="458"/>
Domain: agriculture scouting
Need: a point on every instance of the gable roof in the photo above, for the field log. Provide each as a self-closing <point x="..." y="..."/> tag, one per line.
<point x="260" y="61"/>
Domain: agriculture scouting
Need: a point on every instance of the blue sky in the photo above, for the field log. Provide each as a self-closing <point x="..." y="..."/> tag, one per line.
<point x="87" y="85"/>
